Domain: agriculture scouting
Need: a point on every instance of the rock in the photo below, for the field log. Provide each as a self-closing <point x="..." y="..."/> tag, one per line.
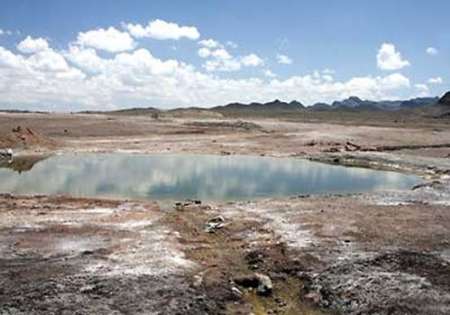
<point x="179" y="206"/>
<point x="214" y="224"/>
<point x="188" y="202"/>
<point x="331" y="150"/>
<point x="260" y="282"/>
<point x="313" y="297"/>
<point x="236" y="291"/>
<point x="6" y="154"/>
<point x="351" y="147"/>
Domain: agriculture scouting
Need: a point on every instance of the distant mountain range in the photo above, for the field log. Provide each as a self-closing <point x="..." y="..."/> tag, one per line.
<point x="433" y="105"/>
<point x="275" y="105"/>
<point x="351" y="103"/>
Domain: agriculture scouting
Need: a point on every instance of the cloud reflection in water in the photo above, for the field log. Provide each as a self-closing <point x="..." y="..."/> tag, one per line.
<point x="193" y="176"/>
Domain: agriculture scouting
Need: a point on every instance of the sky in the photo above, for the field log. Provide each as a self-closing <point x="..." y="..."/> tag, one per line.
<point x="104" y="54"/>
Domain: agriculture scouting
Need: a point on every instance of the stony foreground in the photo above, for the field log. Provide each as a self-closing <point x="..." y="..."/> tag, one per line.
<point x="351" y="254"/>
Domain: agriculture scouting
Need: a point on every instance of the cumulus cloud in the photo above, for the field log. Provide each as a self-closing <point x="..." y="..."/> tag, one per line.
<point x="80" y="77"/>
<point x="436" y="80"/>
<point x="139" y="78"/>
<point x="432" y="51"/>
<point x="268" y="73"/>
<point x="283" y="59"/>
<point x="422" y="90"/>
<point x="221" y="60"/>
<point x="86" y="59"/>
<point x="221" y="54"/>
<point x="31" y="45"/>
<point x="252" y="60"/>
<point x="388" y="58"/>
<point x="209" y="43"/>
<point x="225" y="65"/>
<point x="110" y="39"/>
<point x="162" y="30"/>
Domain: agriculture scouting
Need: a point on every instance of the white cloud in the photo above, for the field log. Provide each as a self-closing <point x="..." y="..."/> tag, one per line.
<point x="32" y="45"/>
<point x="283" y="59"/>
<point x="388" y="58"/>
<point x="81" y="78"/>
<point x="436" y="80"/>
<point x="204" y="52"/>
<point x="86" y="59"/>
<point x="221" y="60"/>
<point x="221" y="54"/>
<point x="209" y="43"/>
<point x="110" y="39"/>
<point x="328" y="71"/>
<point x="232" y="44"/>
<point x="48" y="60"/>
<point x="5" y="32"/>
<point x="10" y="60"/>
<point x="432" y="51"/>
<point x="422" y="90"/>
<point x="252" y="60"/>
<point x="162" y="30"/>
<point x="225" y="65"/>
<point x="268" y="73"/>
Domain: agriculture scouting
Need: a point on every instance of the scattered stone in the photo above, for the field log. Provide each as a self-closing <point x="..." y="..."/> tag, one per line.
<point x="181" y="205"/>
<point x="351" y="147"/>
<point x="6" y="154"/>
<point x="313" y="297"/>
<point x="236" y="291"/>
<point x="332" y="150"/>
<point x="215" y="224"/>
<point x="260" y="282"/>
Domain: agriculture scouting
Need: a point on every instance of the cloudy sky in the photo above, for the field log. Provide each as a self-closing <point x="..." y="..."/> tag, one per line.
<point x="72" y="55"/>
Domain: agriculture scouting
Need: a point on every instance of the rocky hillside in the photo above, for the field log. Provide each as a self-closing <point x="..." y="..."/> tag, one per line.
<point x="445" y="100"/>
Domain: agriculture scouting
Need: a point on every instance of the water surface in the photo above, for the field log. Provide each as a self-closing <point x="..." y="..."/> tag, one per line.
<point x="180" y="176"/>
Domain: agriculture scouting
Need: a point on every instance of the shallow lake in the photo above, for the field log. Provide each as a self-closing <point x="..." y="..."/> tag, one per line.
<point x="178" y="177"/>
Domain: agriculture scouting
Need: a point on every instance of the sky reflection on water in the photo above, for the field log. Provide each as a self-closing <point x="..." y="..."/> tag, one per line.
<point x="203" y="177"/>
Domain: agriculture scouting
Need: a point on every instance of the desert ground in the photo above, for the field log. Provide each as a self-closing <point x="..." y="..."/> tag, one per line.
<point x="370" y="253"/>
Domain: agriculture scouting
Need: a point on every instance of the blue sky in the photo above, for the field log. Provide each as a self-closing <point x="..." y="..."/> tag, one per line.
<point x="258" y="50"/>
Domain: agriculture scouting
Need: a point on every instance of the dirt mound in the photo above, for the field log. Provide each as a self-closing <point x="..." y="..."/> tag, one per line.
<point x="23" y="137"/>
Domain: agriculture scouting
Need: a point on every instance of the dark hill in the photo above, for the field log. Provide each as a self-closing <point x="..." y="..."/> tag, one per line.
<point x="445" y="100"/>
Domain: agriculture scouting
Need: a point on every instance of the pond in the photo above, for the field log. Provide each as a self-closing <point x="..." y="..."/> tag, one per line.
<point x="178" y="177"/>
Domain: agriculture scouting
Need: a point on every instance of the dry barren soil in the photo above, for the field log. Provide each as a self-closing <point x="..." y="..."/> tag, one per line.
<point x="375" y="253"/>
